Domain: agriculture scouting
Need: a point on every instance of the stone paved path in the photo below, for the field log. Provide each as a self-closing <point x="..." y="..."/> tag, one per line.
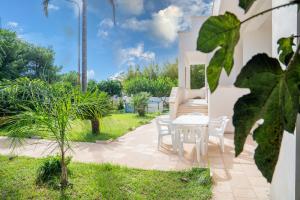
<point x="234" y="178"/>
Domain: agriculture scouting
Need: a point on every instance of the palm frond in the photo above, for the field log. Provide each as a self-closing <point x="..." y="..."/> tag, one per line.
<point x="112" y="2"/>
<point x="45" y="6"/>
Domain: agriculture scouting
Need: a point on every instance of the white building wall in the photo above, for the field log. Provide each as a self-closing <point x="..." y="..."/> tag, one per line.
<point x="283" y="183"/>
<point x="262" y="40"/>
<point x="284" y="23"/>
<point x="187" y="43"/>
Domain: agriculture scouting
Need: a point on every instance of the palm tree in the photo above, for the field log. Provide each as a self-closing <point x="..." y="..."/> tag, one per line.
<point x="50" y="109"/>
<point x="84" y="37"/>
<point x="94" y="105"/>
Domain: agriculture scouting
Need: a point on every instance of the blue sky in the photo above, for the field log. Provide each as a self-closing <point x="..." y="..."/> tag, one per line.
<point x="145" y="30"/>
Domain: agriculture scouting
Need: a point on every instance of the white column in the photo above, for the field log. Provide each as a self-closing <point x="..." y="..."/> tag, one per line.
<point x="188" y="77"/>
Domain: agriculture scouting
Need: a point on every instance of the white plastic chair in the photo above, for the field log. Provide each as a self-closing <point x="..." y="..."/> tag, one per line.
<point x="163" y="125"/>
<point x="216" y="128"/>
<point x="189" y="135"/>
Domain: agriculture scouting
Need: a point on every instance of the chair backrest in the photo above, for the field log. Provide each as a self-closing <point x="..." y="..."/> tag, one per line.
<point x="218" y="125"/>
<point x="189" y="134"/>
<point x="163" y="123"/>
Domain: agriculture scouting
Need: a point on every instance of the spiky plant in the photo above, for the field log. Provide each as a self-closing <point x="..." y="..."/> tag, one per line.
<point x="52" y="112"/>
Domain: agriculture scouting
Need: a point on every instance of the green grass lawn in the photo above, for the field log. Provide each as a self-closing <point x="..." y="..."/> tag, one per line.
<point x="111" y="127"/>
<point x="103" y="181"/>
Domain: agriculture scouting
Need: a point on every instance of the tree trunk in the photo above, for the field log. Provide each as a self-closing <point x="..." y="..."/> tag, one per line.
<point x="95" y="126"/>
<point x="84" y="45"/>
<point x="64" y="171"/>
<point x="78" y="45"/>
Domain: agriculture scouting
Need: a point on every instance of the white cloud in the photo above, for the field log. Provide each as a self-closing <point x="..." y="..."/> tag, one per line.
<point x="136" y="25"/>
<point x="90" y="74"/>
<point x="119" y="76"/>
<point x="104" y="26"/>
<point x="52" y="7"/>
<point x="106" y="23"/>
<point x="102" y="33"/>
<point x="192" y="8"/>
<point x="134" y="7"/>
<point x="166" y="23"/>
<point x="14" y="26"/>
<point x="131" y="56"/>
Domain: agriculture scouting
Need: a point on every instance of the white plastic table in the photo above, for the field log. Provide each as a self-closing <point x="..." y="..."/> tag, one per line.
<point x="194" y="121"/>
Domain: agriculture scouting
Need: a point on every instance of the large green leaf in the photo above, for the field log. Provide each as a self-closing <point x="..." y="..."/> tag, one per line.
<point x="246" y="4"/>
<point x="285" y="49"/>
<point x="274" y="97"/>
<point x="222" y="33"/>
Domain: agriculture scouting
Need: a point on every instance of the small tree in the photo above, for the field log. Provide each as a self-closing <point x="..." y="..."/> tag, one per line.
<point x="140" y="102"/>
<point x="162" y="87"/>
<point x="52" y="111"/>
<point x="137" y="85"/>
<point x="94" y="105"/>
<point x="111" y="87"/>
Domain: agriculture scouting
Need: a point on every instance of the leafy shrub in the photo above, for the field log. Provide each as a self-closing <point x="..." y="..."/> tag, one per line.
<point x="159" y="87"/>
<point x="15" y="95"/>
<point x="197" y="76"/>
<point x="137" y="85"/>
<point x="50" y="169"/>
<point x="120" y="104"/>
<point x="140" y="102"/>
<point x="111" y="87"/>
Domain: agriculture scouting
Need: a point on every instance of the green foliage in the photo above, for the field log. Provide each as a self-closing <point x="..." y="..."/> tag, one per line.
<point x="92" y="85"/>
<point x="274" y="98"/>
<point x="151" y="71"/>
<point x="52" y="113"/>
<point x="137" y="85"/>
<point x="140" y="102"/>
<point x="160" y="87"/>
<point x="50" y="169"/>
<point x="21" y="59"/>
<point x="70" y="78"/>
<point x="220" y="32"/>
<point x="152" y="79"/>
<point x="285" y="49"/>
<point x="120" y="104"/>
<point x="197" y="76"/>
<point x="246" y="4"/>
<point x="93" y="105"/>
<point x="14" y="95"/>
<point x="170" y="70"/>
<point x="111" y="87"/>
